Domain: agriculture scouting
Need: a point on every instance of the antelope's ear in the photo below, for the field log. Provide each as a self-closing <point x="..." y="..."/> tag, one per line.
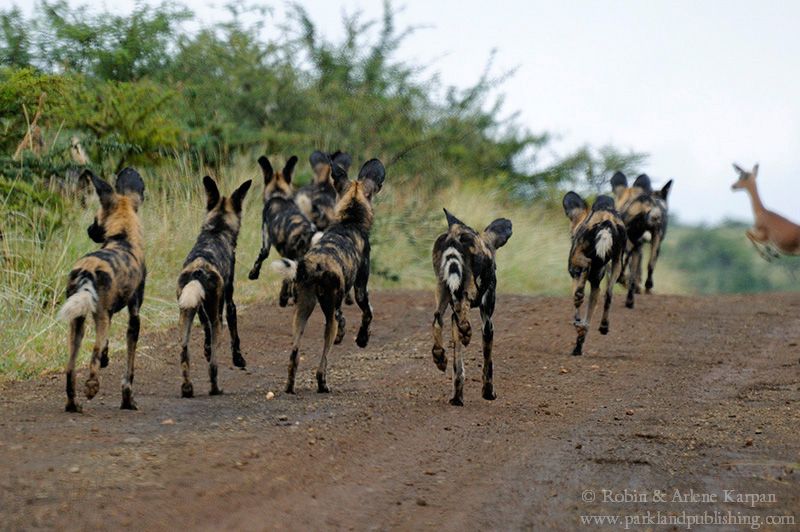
<point x="755" y="170"/>
<point x="342" y="159"/>
<point x="340" y="179"/>
<point x="104" y="190"/>
<point x="288" y="168"/>
<point x="618" y="182"/>
<point x="643" y="182"/>
<point x="738" y="169"/>
<point x="664" y="192"/>
<point x="212" y="192"/>
<point x="237" y="198"/>
<point x="372" y="174"/>
<point x="452" y="220"/>
<point x="498" y="232"/>
<point x="574" y="206"/>
<point x="130" y="183"/>
<point x="266" y="169"/>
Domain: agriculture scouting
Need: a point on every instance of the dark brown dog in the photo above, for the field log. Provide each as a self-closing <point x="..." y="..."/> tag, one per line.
<point x="464" y="264"/>
<point x="104" y="282"/>
<point x="598" y="244"/>
<point x="205" y="286"/>
<point x="338" y="262"/>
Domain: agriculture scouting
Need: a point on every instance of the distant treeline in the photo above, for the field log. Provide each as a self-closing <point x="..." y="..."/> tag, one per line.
<point x="139" y="89"/>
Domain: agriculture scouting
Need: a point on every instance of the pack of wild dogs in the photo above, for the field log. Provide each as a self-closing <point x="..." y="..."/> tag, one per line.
<point x="322" y="233"/>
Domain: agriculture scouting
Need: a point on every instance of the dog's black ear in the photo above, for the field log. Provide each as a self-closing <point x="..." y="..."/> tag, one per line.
<point x="603" y="203"/>
<point x="104" y="190"/>
<point x="618" y="182"/>
<point x="340" y="179"/>
<point x="342" y="159"/>
<point x="212" y="193"/>
<point x="131" y="183"/>
<point x="266" y="169"/>
<point x="498" y="232"/>
<point x="372" y="174"/>
<point x="316" y="158"/>
<point x="664" y="192"/>
<point x="643" y="182"/>
<point x="452" y="220"/>
<point x="288" y="169"/>
<point x="574" y="206"/>
<point x="237" y="198"/>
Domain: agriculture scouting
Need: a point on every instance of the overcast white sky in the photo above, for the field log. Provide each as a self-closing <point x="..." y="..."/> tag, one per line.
<point x="696" y="84"/>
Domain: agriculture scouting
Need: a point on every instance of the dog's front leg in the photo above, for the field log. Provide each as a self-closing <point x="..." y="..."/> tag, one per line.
<point x="362" y="299"/>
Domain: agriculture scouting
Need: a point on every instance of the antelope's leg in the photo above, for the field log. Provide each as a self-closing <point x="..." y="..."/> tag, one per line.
<point x="759" y="238"/>
<point x="76" y="329"/>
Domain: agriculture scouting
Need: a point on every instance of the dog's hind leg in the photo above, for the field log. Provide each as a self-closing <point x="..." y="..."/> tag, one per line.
<point x="132" y="338"/>
<point x="487" y="309"/>
<point x="458" y="363"/>
<point x="76" y="328"/>
<point x="578" y="287"/>
<point x="102" y="323"/>
<point x="362" y="299"/>
<point x="306" y="301"/>
<point x="286" y="293"/>
<point x="230" y="315"/>
<point x="185" y="330"/>
<point x="262" y="255"/>
<point x="635" y="264"/>
<point x="330" y="303"/>
<point x="613" y="274"/>
<point x="340" y="328"/>
<point x="442" y="300"/>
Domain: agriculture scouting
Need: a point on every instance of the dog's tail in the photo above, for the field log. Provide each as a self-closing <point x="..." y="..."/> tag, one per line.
<point x="316" y="237"/>
<point x="452" y="269"/>
<point x="285" y="268"/>
<point x="81" y="303"/>
<point x="191" y="295"/>
<point x="603" y="243"/>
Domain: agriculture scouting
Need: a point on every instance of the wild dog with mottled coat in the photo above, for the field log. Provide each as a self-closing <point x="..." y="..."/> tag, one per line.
<point x="598" y="245"/>
<point x="104" y="282"/>
<point x="205" y="286"/>
<point x="646" y="214"/>
<point x="336" y="263"/>
<point x="464" y="264"/>
<point x="283" y="225"/>
<point x="317" y="200"/>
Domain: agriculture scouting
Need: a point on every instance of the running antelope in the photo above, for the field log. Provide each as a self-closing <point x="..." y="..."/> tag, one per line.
<point x="337" y="262"/>
<point x="771" y="234"/>
<point x="464" y="264"/>
<point x="105" y="281"/>
<point x="598" y="243"/>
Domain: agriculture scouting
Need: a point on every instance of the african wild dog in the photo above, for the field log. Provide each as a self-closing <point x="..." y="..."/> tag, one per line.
<point x="464" y="264"/>
<point x="336" y="263"/>
<point x="205" y="285"/>
<point x="317" y="200"/>
<point x="104" y="282"/>
<point x="598" y="241"/>
<point x="645" y="214"/>
<point x="282" y="225"/>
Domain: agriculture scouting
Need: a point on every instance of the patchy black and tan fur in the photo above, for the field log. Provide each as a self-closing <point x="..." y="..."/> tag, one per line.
<point x="336" y="263"/>
<point x="645" y="214"/>
<point x="282" y="225"/>
<point x="104" y="282"/>
<point x="598" y="245"/>
<point x="205" y="286"/>
<point x="317" y="200"/>
<point x="464" y="264"/>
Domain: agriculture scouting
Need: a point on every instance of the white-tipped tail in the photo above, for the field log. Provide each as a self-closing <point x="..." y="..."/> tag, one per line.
<point x="285" y="268"/>
<point x="191" y="295"/>
<point x="452" y="269"/>
<point x="303" y="203"/>
<point x="316" y="237"/>
<point x="603" y="243"/>
<point x="82" y="303"/>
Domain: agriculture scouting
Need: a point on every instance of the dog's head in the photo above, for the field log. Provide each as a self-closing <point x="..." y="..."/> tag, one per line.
<point x="224" y="213"/>
<point x="355" y="197"/>
<point x="118" y="206"/>
<point x="277" y="184"/>
<point x="322" y="165"/>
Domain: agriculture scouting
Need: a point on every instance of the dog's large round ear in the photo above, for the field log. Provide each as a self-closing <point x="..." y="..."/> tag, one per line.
<point x="288" y="168"/>
<point x="340" y="179"/>
<point x="212" y="192"/>
<point x="643" y="182"/>
<point x="266" y="168"/>
<point x="372" y="174"/>
<point x="574" y="205"/>
<point x="664" y="192"/>
<point x="618" y="182"/>
<point x="342" y="159"/>
<point x="130" y="183"/>
<point x="104" y="190"/>
<point x="237" y="198"/>
<point x="318" y="161"/>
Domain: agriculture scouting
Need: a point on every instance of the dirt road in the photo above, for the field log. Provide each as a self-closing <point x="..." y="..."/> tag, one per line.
<point x="685" y="394"/>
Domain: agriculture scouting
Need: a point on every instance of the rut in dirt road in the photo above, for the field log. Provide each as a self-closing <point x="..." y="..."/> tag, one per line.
<point x="684" y="393"/>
